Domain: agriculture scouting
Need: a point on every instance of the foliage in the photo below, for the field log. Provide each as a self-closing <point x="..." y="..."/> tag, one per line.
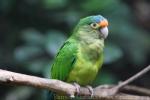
<point x="33" y="30"/>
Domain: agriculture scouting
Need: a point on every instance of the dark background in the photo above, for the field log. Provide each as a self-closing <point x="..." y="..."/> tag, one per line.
<point x="31" y="31"/>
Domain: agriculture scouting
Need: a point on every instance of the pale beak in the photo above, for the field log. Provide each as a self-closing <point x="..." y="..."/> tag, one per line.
<point x="104" y="31"/>
<point x="103" y="28"/>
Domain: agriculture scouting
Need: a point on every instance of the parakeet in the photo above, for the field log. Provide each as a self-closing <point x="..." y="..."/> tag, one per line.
<point x="81" y="56"/>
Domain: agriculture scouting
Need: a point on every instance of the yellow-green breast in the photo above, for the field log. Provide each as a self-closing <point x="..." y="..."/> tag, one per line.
<point x="89" y="61"/>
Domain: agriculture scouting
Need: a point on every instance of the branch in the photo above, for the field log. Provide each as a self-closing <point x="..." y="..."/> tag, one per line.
<point x="117" y="88"/>
<point x="12" y="78"/>
<point x="139" y="74"/>
<point x="136" y="89"/>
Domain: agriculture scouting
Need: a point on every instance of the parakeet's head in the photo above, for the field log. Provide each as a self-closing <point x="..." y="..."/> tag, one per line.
<point x="93" y="26"/>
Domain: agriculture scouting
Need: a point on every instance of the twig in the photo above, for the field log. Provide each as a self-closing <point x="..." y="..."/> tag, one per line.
<point x="139" y="74"/>
<point x="136" y="89"/>
<point x="60" y="87"/>
<point x="124" y="83"/>
<point x="128" y="88"/>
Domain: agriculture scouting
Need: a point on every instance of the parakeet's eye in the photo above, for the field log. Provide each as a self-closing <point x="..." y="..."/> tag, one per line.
<point x="94" y="25"/>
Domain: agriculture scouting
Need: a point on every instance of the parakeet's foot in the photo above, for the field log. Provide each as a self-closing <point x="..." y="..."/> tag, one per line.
<point x="90" y="89"/>
<point x="72" y="96"/>
<point x="77" y="86"/>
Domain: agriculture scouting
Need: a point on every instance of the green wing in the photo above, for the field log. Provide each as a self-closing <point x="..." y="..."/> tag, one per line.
<point x="64" y="61"/>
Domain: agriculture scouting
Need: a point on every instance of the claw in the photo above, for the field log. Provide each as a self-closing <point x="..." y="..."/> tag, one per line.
<point x="72" y="96"/>
<point x="91" y="90"/>
<point x="77" y="86"/>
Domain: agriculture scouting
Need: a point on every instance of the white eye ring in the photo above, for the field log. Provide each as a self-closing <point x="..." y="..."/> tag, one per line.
<point x="94" y="25"/>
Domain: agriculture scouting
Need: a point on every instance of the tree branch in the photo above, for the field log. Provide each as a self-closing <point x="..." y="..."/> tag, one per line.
<point x="136" y="89"/>
<point x="12" y="78"/>
<point x="118" y="87"/>
<point x="139" y="74"/>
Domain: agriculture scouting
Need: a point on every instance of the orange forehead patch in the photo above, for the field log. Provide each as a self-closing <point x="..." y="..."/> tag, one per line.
<point x="103" y="23"/>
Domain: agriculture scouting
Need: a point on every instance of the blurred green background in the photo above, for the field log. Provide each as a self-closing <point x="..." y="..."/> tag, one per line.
<point x="31" y="31"/>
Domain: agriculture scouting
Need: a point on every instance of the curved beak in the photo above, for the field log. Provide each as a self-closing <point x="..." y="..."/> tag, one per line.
<point x="104" y="32"/>
<point x="103" y="28"/>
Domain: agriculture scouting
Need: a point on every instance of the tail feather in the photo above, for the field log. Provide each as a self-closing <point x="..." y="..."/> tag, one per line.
<point x="50" y="95"/>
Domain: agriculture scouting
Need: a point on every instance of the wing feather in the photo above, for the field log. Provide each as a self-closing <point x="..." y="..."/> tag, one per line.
<point x="64" y="61"/>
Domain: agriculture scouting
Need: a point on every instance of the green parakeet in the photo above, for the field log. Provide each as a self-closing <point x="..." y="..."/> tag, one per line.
<point x="81" y="56"/>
